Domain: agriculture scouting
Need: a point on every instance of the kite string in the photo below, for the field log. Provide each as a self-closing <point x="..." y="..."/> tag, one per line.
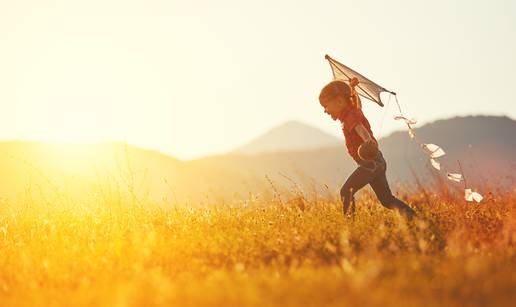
<point x="397" y="103"/>
<point x="383" y="117"/>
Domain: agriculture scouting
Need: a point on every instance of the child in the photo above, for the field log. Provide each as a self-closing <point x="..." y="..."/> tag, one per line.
<point x="342" y="102"/>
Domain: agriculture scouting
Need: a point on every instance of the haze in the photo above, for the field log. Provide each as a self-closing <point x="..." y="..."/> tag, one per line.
<point x="192" y="78"/>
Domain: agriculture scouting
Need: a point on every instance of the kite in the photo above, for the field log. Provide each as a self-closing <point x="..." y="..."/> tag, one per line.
<point x="365" y="88"/>
<point x="371" y="91"/>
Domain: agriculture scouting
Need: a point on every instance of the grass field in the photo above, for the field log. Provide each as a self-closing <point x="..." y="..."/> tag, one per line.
<point x="261" y="252"/>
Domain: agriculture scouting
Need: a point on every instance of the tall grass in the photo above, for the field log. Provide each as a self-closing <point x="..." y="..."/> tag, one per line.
<point x="284" y="250"/>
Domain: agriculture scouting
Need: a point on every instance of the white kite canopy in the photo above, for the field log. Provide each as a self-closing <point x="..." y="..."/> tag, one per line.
<point x="365" y="88"/>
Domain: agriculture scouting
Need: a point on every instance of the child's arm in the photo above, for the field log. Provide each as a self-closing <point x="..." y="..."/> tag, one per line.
<point x="362" y="132"/>
<point x="354" y="95"/>
<point x="357" y="101"/>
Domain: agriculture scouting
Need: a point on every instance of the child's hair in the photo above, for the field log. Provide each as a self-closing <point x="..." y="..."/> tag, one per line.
<point x="333" y="89"/>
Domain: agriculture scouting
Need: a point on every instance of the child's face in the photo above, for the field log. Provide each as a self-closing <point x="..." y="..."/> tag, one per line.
<point x="335" y="106"/>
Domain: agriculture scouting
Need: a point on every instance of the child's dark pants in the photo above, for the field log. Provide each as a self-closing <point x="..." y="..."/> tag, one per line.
<point x="372" y="173"/>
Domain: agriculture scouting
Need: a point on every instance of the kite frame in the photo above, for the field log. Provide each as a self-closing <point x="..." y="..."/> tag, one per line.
<point x="367" y="96"/>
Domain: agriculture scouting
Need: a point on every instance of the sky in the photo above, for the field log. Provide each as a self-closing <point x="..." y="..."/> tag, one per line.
<point x="195" y="78"/>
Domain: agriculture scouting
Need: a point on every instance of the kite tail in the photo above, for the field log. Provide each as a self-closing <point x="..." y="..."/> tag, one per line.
<point x="433" y="151"/>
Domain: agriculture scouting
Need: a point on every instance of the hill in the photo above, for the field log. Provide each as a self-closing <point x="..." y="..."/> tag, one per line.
<point x="291" y="135"/>
<point x="485" y="145"/>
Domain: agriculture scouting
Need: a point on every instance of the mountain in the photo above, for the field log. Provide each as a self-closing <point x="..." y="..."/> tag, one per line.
<point x="292" y="135"/>
<point x="484" y="145"/>
<point x="117" y="172"/>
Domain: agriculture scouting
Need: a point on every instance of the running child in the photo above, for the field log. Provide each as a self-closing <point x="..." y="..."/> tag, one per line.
<point x="342" y="103"/>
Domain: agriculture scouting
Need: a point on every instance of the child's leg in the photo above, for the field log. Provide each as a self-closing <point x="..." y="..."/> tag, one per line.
<point x="383" y="192"/>
<point x="357" y="180"/>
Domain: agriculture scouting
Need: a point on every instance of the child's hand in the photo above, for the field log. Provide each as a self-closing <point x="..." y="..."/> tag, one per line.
<point x="353" y="82"/>
<point x="368" y="150"/>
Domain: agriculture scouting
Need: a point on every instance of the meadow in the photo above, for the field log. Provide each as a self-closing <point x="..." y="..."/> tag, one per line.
<point x="275" y="249"/>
